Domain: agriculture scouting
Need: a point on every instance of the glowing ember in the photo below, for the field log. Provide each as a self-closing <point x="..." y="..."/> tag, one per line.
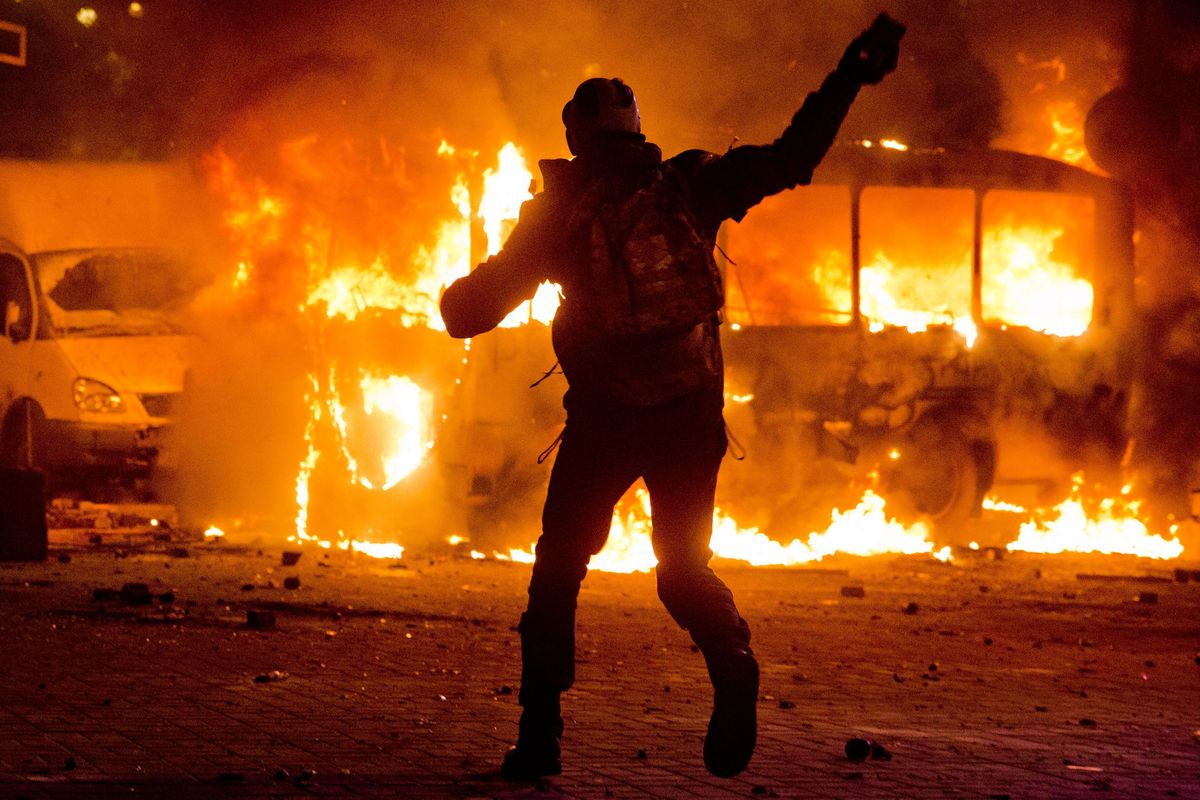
<point x="213" y="532"/>
<point x="373" y="549"/>
<point x="1111" y="527"/>
<point x="995" y="504"/>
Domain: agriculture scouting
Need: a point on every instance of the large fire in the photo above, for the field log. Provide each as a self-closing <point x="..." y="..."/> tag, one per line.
<point x="1109" y="526"/>
<point x="1036" y="260"/>
<point x="350" y="406"/>
<point x="864" y="530"/>
<point x="376" y="428"/>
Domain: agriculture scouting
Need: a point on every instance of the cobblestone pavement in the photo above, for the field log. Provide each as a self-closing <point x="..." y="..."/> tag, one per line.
<point x="385" y="679"/>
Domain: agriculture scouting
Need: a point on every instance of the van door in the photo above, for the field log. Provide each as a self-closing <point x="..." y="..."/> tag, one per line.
<point x="16" y="352"/>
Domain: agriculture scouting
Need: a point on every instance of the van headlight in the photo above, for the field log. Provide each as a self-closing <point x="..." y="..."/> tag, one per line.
<point x="92" y="395"/>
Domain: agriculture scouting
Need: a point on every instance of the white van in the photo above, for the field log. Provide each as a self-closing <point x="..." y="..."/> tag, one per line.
<point x="96" y="262"/>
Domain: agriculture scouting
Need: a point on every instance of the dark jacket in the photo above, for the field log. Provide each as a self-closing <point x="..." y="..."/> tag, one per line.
<point x="715" y="188"/>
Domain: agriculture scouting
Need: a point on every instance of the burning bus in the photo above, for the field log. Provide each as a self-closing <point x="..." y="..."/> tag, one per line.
<point x="956" y="321"/>
<point x="929" y="324"/>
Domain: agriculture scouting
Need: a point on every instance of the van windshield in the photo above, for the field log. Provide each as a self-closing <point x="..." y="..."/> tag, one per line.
<point x="115" y="292"/>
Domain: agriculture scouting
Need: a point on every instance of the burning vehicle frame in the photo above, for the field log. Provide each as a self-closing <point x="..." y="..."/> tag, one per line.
<point x="940" y="415"/>
<point x="949" y="410"/>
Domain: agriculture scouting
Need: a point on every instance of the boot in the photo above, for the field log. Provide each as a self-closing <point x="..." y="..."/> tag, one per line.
<point x="536" y="753"/>
<point x="733" y="727"/>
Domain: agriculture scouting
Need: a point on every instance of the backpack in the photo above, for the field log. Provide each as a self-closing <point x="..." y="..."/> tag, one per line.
<point x="645" y="270"/>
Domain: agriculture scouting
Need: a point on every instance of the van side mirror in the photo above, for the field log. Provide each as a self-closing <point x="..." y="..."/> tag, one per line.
<point x="14" y="327"/>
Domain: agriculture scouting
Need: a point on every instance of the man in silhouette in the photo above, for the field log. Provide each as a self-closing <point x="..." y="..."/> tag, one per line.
<point x="629" y="238"/>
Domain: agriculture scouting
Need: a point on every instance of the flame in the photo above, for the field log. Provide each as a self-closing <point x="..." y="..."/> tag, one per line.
<point x="504" y="190"/>
<point x="376" y="427"/>
<point x="1037" y="259"/>
<point x="213" y="532"/>
<point x="1026" y="285"/>
<point x="1110" y="527"/>
<point x="1049" y="105"/>
<point x="409" y="410"/>
<point x="1066" y="122"/>
<point x="862" y="531"/>
<point x="996" y="504"/>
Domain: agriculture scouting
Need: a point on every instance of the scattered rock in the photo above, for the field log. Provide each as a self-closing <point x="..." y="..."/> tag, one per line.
<point x="857" y="749"/>
<point x="137" y="594"/>
<point x="1087" y="723"/>
<point x="503" y="690"/>
<point x="1183" y="575"/>
<point x="987" y="641"/>
<point x="291" y="582"/>
<point x="281" y="774"/>
<point x="853" y="591"/>
<point x="69" y="764"/>
<point x="247" y="587"/>
<point x="641" y="755"/>
<point x="179" y="552"/>
<point x="911" y="609"/>
<point x="1148" y="598"/>
<point x="786" y="704"/>
<point x="64" y="558"/>
<point x="897" y="677"/>
<point x="105" y="595"/>
<point x="290" y="557"/>
<point x="166" y="598"/>
<point x="230" y="777"/>
<point x="260" y="620"/>
<point x="880" y="753"/>
<point x="274" y="676"/>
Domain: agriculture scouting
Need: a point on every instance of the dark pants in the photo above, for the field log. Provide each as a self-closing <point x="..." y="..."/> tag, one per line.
<point x="677" y="448"/>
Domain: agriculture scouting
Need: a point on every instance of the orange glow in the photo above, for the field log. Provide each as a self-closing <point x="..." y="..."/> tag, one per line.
<point x="863" y="530"/>
<point x="374" y="425"/>
<point x="1110" y="526"/>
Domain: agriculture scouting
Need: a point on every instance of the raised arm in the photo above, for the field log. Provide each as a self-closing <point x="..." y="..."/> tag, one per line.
<point x="728" y="186"/>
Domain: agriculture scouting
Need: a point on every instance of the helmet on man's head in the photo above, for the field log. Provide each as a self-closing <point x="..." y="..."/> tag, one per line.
<point x="601" y="106"/>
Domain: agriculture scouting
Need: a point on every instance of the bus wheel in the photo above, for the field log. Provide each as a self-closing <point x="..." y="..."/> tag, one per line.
<point x="940" y="475"/>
